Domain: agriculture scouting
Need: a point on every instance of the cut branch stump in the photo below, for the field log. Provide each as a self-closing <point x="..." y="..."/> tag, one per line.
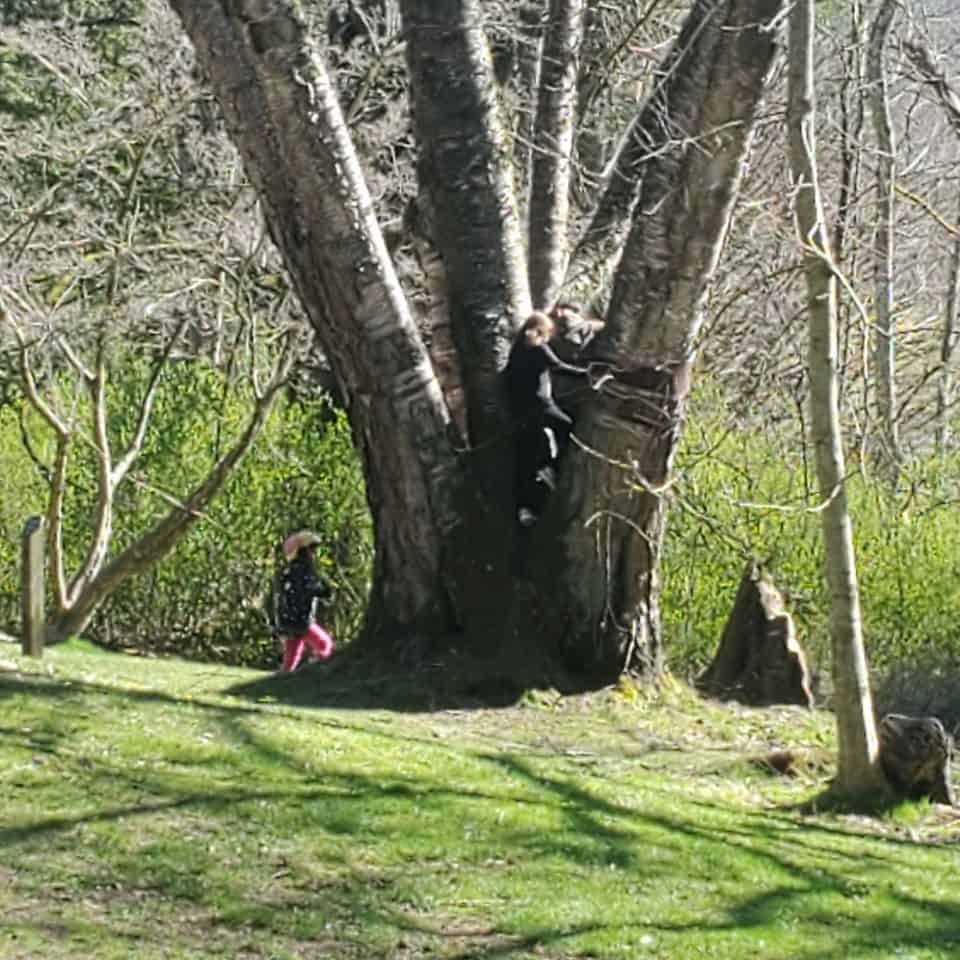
<point x="759" y="660"/>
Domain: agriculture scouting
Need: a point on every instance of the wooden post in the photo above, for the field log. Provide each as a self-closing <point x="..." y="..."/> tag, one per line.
<point x="33" y="587"/>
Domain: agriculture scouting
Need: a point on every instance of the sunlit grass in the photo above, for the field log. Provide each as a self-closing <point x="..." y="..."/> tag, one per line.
<point x="149" y="813"/>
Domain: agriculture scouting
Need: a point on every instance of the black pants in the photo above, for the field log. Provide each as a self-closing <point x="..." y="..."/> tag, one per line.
<point x="534" y="452"/>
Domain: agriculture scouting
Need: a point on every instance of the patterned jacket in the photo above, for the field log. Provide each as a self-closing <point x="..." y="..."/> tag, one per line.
<point x="299" y="588"/>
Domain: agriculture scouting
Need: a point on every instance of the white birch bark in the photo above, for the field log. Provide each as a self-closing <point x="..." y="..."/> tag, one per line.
<point x="858" y="767"/>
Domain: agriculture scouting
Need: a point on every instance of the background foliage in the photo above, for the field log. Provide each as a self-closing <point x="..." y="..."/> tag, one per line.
<point x="210" y="598"/>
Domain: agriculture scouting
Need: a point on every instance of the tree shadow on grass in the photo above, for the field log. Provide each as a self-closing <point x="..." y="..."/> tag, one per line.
<point x="759" y="870"/>
<point x="351" y="681"/>
<point x="597" y="831"/>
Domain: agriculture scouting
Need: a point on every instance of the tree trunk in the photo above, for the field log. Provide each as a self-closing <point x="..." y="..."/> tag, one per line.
<point x="529" y="48"/>
<point x="554" y="134"/>
<point x="596" y="587"/>
<point x="464" y="166"/>
<point x="283" y="116"/>
<point x="759" y="660"/>
<point x="657" y="128"/>
<point x="858" y="767"/>
<point x="884" y="334"/>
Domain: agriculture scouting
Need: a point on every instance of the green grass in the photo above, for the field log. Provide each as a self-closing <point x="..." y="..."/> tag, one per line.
<point x="147" y="811"/>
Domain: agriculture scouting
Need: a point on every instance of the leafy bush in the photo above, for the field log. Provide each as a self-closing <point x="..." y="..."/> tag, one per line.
<point x="745" y="495"/>
<point x="208" y="599"/>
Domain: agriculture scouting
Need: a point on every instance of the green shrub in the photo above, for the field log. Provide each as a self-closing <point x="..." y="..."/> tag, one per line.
<point x="209" y="598"/>
<point x="745" y="495"/>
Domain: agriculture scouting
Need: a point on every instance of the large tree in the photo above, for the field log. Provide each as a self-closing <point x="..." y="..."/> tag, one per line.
<point x="446" y="543"/>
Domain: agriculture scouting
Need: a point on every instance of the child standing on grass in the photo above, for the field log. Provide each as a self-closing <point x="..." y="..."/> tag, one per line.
<point x="300" y="588"/>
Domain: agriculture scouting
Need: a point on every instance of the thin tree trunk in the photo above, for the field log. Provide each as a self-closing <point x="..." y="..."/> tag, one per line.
<point x="858" y="766"/>
<point x="555" y="125"/>
<point x="529" y="60"/>
<point x="598" y="552"/>
<point x="853" y="333"/>
<point x="283" y="115"/>
<point x="850" y="132"/>
<point x="885" y="333"/>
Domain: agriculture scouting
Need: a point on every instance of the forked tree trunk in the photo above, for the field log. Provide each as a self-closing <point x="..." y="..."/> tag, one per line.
<point x="597" y="556"/>
<point x="283" y="116"/>
<point x="464" y="166"/>
<point x="858" y="768"/>
<point x="597" y="550"/>
<point x="164" y="535"/>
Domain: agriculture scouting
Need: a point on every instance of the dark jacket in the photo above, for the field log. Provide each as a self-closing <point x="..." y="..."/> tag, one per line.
<point x="529" y="387"/>
<point x="299" y="588"/>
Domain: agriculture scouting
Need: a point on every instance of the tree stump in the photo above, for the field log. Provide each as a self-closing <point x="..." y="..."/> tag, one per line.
<point x="915" y="756"/>
<point x="759" y="660"/>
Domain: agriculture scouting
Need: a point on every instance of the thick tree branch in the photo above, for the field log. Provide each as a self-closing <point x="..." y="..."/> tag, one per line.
<point x="664" y="124"/>
<point x="464" y="165"/>
<point x="553" y="149"/>
<point x="103" y="512"/>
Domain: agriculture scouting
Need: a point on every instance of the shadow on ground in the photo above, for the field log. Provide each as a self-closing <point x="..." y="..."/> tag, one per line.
<point x="349" y="681"/>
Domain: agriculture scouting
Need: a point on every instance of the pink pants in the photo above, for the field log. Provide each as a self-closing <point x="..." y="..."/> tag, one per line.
<point x="315" y="637"/>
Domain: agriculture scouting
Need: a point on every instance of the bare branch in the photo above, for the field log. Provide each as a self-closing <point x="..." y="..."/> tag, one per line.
<point x="126" y="460"/>
<point x="167" y="532"/>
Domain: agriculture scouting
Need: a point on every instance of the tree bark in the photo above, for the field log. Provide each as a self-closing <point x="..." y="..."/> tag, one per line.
<point x="858" y="768"/>
<point x="759" y="660"/>
<point x="658" y="128"/>
<point x="529" y="59"/>
<point x="464" y="166"/>
<point x="885" y="332"/>
<point x="554" y="136"/>
<point x="283" y="116"/>
<point x="598" y="552"/>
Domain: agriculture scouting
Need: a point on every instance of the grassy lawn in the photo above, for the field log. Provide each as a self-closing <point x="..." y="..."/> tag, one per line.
<point x="154" y="808"/>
